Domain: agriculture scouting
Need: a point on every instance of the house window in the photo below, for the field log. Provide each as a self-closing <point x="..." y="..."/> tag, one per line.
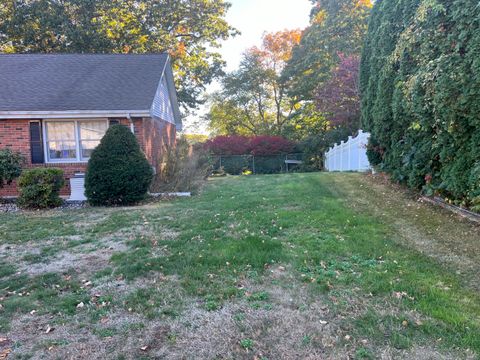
<point x="61" y="141"/>
<point x="73" y="141"/>
<point x="91" y="132"/>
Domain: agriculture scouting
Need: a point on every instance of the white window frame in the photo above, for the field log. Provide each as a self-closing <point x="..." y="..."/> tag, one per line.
<point x="78" y="158"/>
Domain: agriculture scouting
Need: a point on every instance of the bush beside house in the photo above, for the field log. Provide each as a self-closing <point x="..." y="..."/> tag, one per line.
<point x="118" y="172"/>
<point x="10" y="166"/>
<point x="184" y="168"/>
<point x="40" y="188"/>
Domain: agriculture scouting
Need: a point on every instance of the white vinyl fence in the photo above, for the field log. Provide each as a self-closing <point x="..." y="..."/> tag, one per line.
<point x="350" y="155"/>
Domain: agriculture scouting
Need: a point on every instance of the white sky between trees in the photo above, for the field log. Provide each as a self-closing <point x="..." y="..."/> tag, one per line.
<point x="253" y="18"/>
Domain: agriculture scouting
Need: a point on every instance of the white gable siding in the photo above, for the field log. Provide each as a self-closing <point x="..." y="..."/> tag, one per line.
<point x="162" y="106"/>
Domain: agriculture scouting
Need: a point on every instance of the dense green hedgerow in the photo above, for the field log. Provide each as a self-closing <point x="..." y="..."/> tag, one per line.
<point x="420" y="86"/>
<point x="118" y="172"/>
<point x="40" y="188"/>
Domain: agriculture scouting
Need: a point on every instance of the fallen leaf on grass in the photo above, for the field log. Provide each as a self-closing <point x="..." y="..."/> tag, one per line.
<point x="401" y="295"/>
<point x="144" y="348"/>
<point x="4" y="353"/>
<point x="49" y="329"/>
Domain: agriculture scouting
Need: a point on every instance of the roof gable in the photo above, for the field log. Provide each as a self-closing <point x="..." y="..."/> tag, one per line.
<point x="165" y="104"/>
<point x="77" y="82"/>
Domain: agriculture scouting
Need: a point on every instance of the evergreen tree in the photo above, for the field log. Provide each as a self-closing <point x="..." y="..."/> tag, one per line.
<point x="118" y="172"/>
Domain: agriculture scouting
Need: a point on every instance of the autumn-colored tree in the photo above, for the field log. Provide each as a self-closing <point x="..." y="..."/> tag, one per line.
<point x="336" y="27"/>
<point x="253" y="99"/>
<point x="277" y="48"/>
<point x="339" y="97"/>
<point x="187" y="29"/>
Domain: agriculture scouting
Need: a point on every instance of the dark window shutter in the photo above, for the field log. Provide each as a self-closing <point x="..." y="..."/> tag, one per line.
<point x="36" y="143"/>
<point x="114" y="122"/>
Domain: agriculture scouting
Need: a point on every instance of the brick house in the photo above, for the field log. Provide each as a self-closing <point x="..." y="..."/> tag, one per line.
<point x="55" y="108"/>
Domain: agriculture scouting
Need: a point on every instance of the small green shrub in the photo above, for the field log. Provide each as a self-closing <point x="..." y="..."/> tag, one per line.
<point x="235" y="164"/>
<point x="374" y="152"/>
<point x="118" y="172"/>
<point x="10" y="166"/>
<point x="247" y="344"/>
<point x="40" y="188"/>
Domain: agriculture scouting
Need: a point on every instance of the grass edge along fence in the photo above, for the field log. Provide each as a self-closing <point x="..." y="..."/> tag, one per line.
<point x="255" y="164"/>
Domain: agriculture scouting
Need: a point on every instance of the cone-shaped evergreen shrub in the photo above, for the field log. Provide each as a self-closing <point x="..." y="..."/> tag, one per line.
<point x="118" y="172"/>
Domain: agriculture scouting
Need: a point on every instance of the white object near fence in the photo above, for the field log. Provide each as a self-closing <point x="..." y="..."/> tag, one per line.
<point x="350" y="155"/>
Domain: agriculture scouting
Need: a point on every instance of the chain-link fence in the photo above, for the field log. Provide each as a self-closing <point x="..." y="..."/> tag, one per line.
<point x="256" y="164"/>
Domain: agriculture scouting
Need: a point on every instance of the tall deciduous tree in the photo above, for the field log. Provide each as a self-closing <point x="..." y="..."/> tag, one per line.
<point x="253" y="99"/>
<point x="336" y="27"/>
<point x="187" y="29"/>
<point x="339" y="97"/>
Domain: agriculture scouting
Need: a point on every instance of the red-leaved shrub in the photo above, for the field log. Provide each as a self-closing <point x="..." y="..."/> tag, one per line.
<point x="270" y="145"/>
<point x="255" y="145"/>
<point x="228" y="145"/>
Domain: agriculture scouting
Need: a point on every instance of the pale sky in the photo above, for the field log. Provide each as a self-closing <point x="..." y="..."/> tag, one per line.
<point x="253" y="18"/>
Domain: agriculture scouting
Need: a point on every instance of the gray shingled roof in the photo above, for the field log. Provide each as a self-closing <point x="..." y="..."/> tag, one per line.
<point x="61" y="82"/>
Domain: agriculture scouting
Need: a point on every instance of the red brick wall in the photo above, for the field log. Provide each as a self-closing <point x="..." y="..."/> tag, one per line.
<point x="158" y="136"/>
<point x="152" y="135"/>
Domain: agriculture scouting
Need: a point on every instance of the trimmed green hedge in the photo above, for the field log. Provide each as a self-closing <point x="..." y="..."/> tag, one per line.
<point x="40" y="188"/>
<point x="420" y="87"/>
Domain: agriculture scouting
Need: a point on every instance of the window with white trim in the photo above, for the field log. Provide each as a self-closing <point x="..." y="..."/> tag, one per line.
<point x="72" y="140"/>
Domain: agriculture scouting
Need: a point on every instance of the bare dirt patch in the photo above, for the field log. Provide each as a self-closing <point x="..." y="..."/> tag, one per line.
<point x="85" y="259"/>
<point x="286" y="326"/>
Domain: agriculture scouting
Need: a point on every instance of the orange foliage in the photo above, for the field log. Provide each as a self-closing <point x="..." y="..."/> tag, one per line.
<point x="180" y="51"/>
<point x="366" y="3"/>
<point x="277" y="47"/>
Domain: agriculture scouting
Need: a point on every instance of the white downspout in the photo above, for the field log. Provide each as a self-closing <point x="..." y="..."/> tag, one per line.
<point x="132" y="127"/>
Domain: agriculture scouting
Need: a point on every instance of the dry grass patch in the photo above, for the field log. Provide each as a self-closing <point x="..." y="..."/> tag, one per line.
<point x="298" y="266"/>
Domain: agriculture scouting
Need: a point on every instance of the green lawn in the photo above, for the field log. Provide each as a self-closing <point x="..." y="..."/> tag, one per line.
<point x="284" y="266"/>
